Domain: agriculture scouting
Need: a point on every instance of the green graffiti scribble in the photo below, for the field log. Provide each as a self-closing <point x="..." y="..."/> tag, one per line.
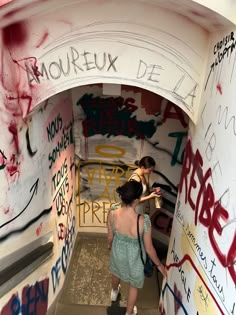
<point x="180" y="136"/>
<point x="113" y="116"/>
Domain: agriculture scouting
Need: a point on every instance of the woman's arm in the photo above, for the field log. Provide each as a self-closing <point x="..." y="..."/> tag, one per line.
<point x="153" y="194"/>
<point x="110" y="234"/>
<point x="147" y="237"/>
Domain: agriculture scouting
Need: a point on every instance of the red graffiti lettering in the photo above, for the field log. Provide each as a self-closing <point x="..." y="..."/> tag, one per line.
<point x="178" y="114"/>
<point x="208" y="211"/>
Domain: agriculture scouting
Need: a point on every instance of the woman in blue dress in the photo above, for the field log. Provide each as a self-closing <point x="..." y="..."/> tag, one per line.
<point x="125" y="260"/>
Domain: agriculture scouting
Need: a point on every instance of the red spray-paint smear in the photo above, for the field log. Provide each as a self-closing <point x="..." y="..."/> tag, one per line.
<point x="150" y="101"/>
<point x="219" y="88"/>
<point x="42" y="40"/>
<point x="12" y="107"/>
<point x="31" y="62"/>
<point x="28" y="98"/>
<point x="14" y="34"/>
<point x="12" y="169"/>
<point x="19" y="99"/>
<point x="6" y="210"/>
<point x="12" y="166"/>
<point x="39" y="229"/>
<point x="4" y="2"/>
<point x="13" y="130"/>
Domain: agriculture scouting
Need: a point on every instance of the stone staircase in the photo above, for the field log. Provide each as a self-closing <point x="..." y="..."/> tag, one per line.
<point x="87" y="287"/>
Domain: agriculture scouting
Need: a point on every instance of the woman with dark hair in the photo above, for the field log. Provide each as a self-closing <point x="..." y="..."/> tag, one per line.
<point x="125" y="259"/>
<point x="145" y="167"/>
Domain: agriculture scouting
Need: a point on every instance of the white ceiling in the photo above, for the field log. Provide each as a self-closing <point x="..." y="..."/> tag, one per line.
<point x="201" y="15"/>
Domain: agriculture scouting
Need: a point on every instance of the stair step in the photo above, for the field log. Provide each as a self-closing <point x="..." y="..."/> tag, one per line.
<point x="79" y="309"/>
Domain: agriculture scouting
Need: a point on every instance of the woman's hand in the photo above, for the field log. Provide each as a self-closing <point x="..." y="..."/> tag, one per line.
<point x="163" y="270"/>
<point x="154" y="195"/>
<point x="157" y="191"/>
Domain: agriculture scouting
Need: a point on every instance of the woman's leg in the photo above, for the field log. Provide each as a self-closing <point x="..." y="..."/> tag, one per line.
<point x="132" y="298"/>
<point x="115" y="282"/>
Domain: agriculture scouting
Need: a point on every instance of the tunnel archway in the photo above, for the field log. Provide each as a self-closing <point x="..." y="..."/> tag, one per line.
<point x="141" y="49"/>
<point x="104" y="45"/>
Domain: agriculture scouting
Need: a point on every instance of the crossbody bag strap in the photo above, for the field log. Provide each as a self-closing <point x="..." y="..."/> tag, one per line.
<point x="141" y="252"/>
<point x="135" y="174"/>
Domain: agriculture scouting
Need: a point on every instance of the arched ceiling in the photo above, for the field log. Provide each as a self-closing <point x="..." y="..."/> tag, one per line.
<point x="208" y="18"/>
<point x="213" y="18"/>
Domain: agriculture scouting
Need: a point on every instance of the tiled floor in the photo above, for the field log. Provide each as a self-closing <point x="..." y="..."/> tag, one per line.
<point x="88" y="284"/>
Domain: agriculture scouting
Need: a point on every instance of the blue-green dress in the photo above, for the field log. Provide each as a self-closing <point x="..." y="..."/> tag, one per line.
<point x="125" y="260"/>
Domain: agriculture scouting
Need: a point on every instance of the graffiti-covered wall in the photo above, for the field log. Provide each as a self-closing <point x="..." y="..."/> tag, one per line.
<point x="202" y="252"/>
<point x="111" y="133"/>
<point x="78" y="45"/>
<point x="37" y="219"/>
<point x="136" y="43"/>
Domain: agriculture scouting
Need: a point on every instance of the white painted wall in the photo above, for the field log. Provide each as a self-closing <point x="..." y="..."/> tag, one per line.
<point x="226" y="8"/>
<point x="203" y="237"/>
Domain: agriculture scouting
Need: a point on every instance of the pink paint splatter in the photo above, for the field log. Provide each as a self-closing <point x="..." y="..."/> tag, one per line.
<point x="42" y="40"/>
<point x="13" y="166"/>
<point x="31" y="63"/>
<point x="18" y="109"/>
<point x="12" y="170"/>
<point x="39" y="229"/>
<point x="13" y="130"/>
<point x="6" y="210"/>
<point x="219" y="88"/>
<point x="14" y="34"/>
<point x="4" y="2"/>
